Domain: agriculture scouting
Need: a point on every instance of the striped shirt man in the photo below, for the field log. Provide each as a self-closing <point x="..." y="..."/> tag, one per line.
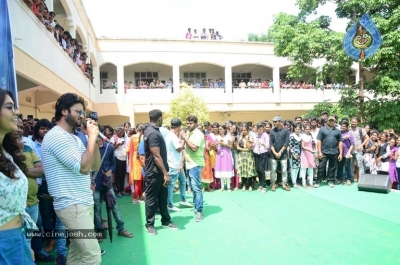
<point x="61" y="158"/>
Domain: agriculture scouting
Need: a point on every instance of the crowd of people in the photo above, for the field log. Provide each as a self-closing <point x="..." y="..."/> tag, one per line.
<point x="69" y="44"/>
<point x="256" y="83"/>
<point x="54" y="175"/>
<point x="211" y="35"/>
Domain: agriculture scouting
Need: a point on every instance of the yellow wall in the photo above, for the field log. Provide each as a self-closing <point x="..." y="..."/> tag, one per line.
<point x="113" y="121"/>
<point x="27" y="110"/>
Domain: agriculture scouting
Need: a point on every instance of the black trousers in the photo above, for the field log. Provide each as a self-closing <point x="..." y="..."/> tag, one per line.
<point x="261" y="162"/>
<point x="333" y="161"/>
<point x="156" y="195"/>
<point x="120" y="173"/>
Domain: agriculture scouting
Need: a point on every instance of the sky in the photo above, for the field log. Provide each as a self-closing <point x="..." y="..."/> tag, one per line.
<point x="170" y="18"/>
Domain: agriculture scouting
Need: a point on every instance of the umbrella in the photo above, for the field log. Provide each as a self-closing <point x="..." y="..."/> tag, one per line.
<point x="110" y="202"/>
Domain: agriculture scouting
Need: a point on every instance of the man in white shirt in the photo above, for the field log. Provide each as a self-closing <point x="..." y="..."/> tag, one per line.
<point x="175" y="150"/>
<point x="118" y="141"/>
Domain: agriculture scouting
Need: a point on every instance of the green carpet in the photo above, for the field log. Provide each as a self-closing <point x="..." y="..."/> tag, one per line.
<point x="303" y="226"/>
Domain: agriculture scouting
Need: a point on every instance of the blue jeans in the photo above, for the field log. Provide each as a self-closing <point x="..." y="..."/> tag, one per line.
<point x="195" y="181"/>
<point x="33" y="212"/>
<point x="344" y="166"/>
<point x="98" y="224"/>
<point x="61" y="242"/>
<point x="174" y="175"/>
<point x="14" y="248"/>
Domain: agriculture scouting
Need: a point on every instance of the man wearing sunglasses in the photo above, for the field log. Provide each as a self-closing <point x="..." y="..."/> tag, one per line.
<point x="67" y="164"/>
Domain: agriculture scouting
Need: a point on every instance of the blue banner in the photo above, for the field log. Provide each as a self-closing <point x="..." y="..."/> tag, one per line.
<point x="7" y="67"/>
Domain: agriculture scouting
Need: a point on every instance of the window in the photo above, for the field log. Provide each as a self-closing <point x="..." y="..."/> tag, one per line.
<point x="104" y="75"/>
<point x="239" y="76"/>
<point x="283" y="76"/>
<point x="146" y="75"/>
<point x="192" y="77"/>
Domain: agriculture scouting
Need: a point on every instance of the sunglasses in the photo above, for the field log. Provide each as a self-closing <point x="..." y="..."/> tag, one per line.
<point x="80" y="112"/>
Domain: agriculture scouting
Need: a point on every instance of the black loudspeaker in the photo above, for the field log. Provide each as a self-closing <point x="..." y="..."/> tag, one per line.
<point x="374" y="183"/>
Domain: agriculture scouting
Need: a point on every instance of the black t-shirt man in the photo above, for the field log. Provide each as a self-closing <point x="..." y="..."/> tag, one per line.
<point x="153" y="138"/>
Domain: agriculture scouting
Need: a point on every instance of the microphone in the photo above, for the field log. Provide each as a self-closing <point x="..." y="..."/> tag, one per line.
<point x="102" y="136"/>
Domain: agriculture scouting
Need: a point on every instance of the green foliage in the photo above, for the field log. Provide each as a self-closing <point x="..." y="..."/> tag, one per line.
<point x="262" y="38"/>
<point x="186" y="103"/>
<point x="332" y="109"/>
<point x="303" y="41"/>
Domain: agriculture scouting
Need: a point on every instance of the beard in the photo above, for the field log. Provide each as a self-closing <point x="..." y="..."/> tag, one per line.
<point x="73" y="121"/>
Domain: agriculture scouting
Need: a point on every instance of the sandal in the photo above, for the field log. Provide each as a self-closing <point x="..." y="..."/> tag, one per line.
<point x="125" y="233"/>
<point x="105" y="226"/>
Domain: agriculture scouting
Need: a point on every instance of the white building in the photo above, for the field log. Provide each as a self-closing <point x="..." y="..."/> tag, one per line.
<point x="45" y="71"/>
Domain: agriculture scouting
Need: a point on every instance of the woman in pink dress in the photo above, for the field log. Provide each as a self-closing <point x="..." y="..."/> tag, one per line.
<point x="223" y="169"/>
<point x="307" y="156"/>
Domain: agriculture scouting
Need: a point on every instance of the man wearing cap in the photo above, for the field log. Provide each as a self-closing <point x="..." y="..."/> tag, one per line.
<point x="279" y="141"/>
<point x="330" y="149"/>
<point x="324" y="115"/>
<point x="175" y="157"/>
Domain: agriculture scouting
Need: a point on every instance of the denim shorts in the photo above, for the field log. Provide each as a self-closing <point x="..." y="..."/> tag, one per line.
<point x="14" y="249"/>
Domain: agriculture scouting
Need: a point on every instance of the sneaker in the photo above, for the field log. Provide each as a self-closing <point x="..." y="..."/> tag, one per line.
<point x="185" y="203"/>
<point x="199" y="217"/>
<point x="135" y="202"/>
<point x="61" y="260"/>
<point x="102" y="252"/>
<point x="174" y="209"/>
<point x="171" y="226"/>
<point x="348" y="183"/>
<point x="330" y="184"/>
<point x="263" y="190"/>
<point x="43" y="256"/>
<point x="151" y="230"/>
<point x="316" y="185"/>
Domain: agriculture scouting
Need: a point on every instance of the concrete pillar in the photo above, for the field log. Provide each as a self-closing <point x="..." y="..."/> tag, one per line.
<point x="175" y="78"/>
<point x="276" y="80"/>
<point x="120" y="79"/>
<point x="49" y="4"/>
<point x="71" y="26"/>
<point x="228" y="79"/>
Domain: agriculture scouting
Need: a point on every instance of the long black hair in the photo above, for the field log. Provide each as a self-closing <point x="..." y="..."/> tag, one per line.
<point x="9" y="144"/>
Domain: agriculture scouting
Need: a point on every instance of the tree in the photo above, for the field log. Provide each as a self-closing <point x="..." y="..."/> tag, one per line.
<point x="184" y="104"/>
<point x="303" y="40"/>
<point x="262" y="38"/>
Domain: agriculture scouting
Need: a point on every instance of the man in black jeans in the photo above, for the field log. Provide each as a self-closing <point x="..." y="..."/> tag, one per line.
<point x="157" y="177"/>
<point x="330" y="149"/>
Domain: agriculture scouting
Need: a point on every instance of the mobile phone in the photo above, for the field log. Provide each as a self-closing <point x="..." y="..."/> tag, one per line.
<point x="30" y="117"/>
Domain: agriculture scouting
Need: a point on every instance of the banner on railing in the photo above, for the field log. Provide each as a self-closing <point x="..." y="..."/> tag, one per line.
<point x="7" y="66"/>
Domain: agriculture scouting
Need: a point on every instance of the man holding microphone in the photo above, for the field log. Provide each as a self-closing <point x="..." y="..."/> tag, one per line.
<point x="67" y="165"/>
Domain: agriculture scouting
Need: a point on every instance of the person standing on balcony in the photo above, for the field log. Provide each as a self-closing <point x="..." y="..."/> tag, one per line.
<point x="242" y="84"/>
<point x="204" y="35"/>
<point x="188" y="34"/>
<point x="195" y="36"/>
